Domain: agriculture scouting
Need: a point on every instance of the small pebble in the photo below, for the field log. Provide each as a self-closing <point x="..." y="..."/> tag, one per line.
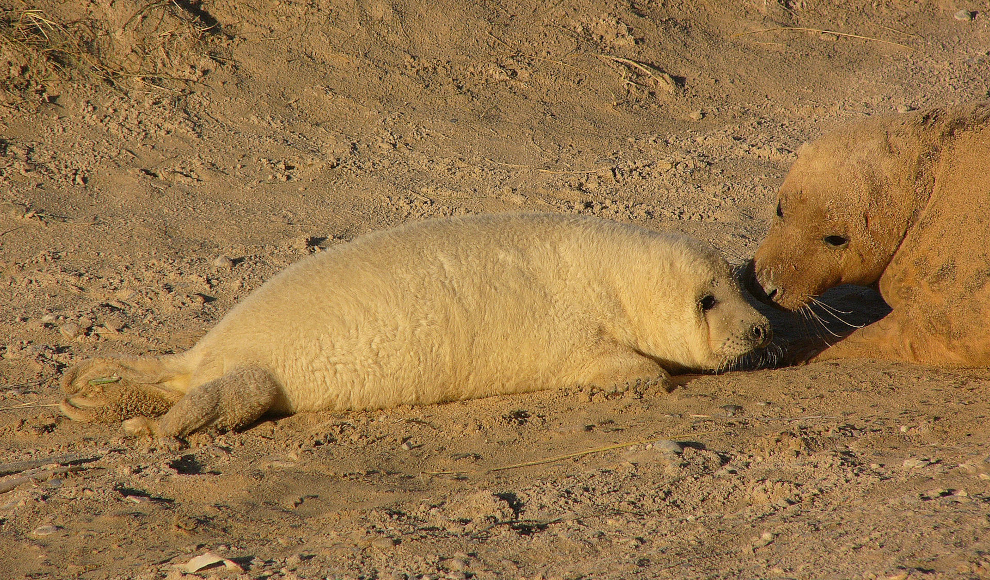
<point x="732" y="410"/>
<point x="293" y="561"/>
<point x="383" y="543"/>
<point x="113" y="323"/>
<point x="223" y="262"/>
<point x="764" y="540"/>
<point x="70" y="330"/>
<point x="302" y="244"/>
<point x="904" y="108"/>
<point x="696" y="115"/>
<point x="458" y="564"/>
<point x="912" y="463"/>
<point x="204" y="560"/>
<point x="44" y="530"/>
<point x="964" y="16"/>
<point x="668" y="446"/>
<point x="125" y="294"/>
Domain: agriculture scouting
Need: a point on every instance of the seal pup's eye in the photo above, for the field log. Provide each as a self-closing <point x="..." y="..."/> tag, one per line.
<point x="836" y="241"/>
<point x="707" y="302"/>
<point x="780" y="211"/>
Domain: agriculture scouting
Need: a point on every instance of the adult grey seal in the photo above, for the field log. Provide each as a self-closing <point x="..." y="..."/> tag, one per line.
<point x="901" y="203"/>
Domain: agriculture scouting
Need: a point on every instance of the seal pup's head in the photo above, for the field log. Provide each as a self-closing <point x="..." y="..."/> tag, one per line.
<point x="701" y="319"/>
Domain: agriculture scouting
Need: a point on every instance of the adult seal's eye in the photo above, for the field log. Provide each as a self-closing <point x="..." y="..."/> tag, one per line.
<point x="836" y="241"/>
<point x="707" y="303"/>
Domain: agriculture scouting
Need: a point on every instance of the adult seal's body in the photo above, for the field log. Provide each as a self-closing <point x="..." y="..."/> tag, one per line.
<point x="440" y="311"/>
<point x="902" y="203"/>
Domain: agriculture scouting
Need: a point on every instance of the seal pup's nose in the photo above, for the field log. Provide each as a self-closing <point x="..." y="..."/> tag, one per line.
<point x="761" y="334"/>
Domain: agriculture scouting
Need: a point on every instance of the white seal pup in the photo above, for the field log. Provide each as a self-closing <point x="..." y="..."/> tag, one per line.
<point x="437" y="311"/>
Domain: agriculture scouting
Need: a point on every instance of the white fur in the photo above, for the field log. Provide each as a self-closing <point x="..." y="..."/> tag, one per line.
<point x="475" y="306"/>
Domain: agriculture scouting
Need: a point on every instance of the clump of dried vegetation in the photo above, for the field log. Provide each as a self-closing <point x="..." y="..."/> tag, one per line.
<point x="160" y="44"/>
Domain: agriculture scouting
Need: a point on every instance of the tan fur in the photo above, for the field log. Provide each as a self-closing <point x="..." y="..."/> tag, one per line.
<point x="911" y="193"/>
<point x="440" y="311"/>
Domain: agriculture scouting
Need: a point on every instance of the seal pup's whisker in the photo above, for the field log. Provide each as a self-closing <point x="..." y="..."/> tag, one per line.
<point x="775" y="354"/>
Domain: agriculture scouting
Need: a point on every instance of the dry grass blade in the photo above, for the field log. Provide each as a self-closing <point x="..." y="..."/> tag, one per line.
<point x="805" y="418"/>
<point x="898" y="31"/>
<point x="144" y="10"/>
<point x="104" y="380"/>
<point x="161" y="40"/>
<point x="57" y="43"/>
<point x="820" y="31"/>
<point x="660" y="79"/>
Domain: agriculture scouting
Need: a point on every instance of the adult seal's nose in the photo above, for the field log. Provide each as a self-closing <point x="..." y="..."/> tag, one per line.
<point x="760" y="286"/>
<point x="751" y="282"/>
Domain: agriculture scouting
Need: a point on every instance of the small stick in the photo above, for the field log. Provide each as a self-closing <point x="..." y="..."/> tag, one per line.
<point x="28" y="406"/>
<point x="809" y="417"/>
<point x="12" y="230"/>
<point x="662" y="79"/>
<point x="820" y="31"/>
<point x="551" y="171"/>
<point x="104" y="380"/>
<point x="19" y="466"/>
<point x="41" y="474"/>
<point x="573" y="455"/>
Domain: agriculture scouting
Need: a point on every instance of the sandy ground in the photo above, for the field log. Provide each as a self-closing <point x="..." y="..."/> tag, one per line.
<point x="234" y="137"/>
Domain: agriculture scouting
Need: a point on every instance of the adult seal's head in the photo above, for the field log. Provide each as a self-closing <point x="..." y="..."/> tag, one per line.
<point x="899" y="203"/>
<point x="840" y="215"/>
